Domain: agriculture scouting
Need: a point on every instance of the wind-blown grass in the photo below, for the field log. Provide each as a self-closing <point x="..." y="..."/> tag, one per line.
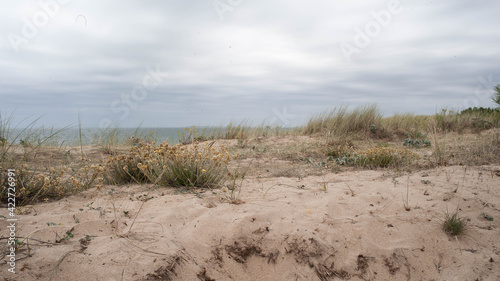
<point x="35" y="182"/>
<point x="366" y="121"/>
<point x="342" y="122"/>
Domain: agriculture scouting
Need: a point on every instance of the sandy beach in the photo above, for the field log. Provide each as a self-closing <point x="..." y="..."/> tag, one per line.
<point x="313" y="223"/>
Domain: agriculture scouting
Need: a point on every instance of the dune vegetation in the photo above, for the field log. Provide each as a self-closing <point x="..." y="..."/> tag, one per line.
<point x="359" y="137"/>
<point x="252" y="166"/>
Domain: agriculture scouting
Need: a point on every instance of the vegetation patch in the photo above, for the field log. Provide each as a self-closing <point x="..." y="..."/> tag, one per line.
<point x="378" y="156"/>
<point x="454" y="224"/>
<point x="416" y="142"/>
<point x="196" y="165"/>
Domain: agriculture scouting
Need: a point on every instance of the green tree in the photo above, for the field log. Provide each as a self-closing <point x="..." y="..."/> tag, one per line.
<point x="496" y="96"/>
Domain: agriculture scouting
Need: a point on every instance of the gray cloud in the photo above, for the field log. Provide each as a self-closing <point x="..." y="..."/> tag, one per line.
<point x="263" y="57"/>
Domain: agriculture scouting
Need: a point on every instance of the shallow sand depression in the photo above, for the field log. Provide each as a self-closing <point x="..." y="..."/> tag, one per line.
<point x="337" y="226"/>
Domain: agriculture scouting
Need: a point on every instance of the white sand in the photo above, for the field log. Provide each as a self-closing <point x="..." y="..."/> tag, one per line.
<point x="287" y="229"/>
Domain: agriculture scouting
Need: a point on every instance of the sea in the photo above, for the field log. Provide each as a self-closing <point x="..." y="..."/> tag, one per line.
<point x="86" y="136"/>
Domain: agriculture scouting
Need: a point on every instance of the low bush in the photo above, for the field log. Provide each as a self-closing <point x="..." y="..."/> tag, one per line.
<point x="179" y="166"/>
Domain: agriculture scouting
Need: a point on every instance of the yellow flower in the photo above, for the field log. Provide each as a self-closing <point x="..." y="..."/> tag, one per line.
<point x="204" y="171"/>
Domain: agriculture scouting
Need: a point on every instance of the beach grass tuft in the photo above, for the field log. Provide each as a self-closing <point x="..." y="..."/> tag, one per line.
<point x="453" y="224"/>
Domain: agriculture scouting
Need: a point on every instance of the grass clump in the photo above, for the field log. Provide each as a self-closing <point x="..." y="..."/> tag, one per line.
<point x="341" y="122"/>
<point x="123" y="169"/>
<point x="196" y="165"/>
<point x="453" y="224"/>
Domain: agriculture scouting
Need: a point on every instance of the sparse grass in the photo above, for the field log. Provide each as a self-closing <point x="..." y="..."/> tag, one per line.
<point x="286" y="172"/>
<point x="453" y="224"/>
<point x="35" y="182"/>
<point x="112" y="138"/>
<point x="189" y="135"/>
<point x="243" y="132"/>
<point x="378" y="156"/>
<point x="330" y="134"/>
<point x="478" y="149"/>
<point x="232" y="131"/>
<point x="108" y="139"/>
<point x="30" y="139"/>
<point x="236" y="179"/>
<point x="440" y="154"/>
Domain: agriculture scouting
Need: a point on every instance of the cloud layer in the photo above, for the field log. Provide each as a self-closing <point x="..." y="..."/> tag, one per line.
<point x="180" y="63"/>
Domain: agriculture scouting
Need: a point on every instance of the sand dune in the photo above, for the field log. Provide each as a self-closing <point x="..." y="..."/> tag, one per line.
<point x="338" y="226"/>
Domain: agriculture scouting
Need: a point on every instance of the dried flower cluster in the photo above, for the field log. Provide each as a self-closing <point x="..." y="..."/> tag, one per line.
<point x="165" y="165"/>
<point x="34" y="185"/>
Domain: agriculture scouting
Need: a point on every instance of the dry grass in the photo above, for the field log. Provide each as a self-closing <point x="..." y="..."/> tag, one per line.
<point x="340" y="121"/>
<point x="403" y="125"/>
<point x="26" y="152"/>
<point x="474" y="149"/>
<point x="340" y="136"/>
<point x="165" y="165"/>
<point x="367" y="121"/>
<point x="242" y="131"/>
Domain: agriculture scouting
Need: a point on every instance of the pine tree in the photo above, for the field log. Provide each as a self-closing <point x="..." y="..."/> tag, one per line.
<point x="496" y="96"/>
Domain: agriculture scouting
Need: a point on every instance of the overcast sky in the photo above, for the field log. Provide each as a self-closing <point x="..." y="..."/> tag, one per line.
<point x="203" y="62"/>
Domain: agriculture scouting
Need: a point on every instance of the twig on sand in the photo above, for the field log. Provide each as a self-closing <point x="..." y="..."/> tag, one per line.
<point x="53" y="270"/>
